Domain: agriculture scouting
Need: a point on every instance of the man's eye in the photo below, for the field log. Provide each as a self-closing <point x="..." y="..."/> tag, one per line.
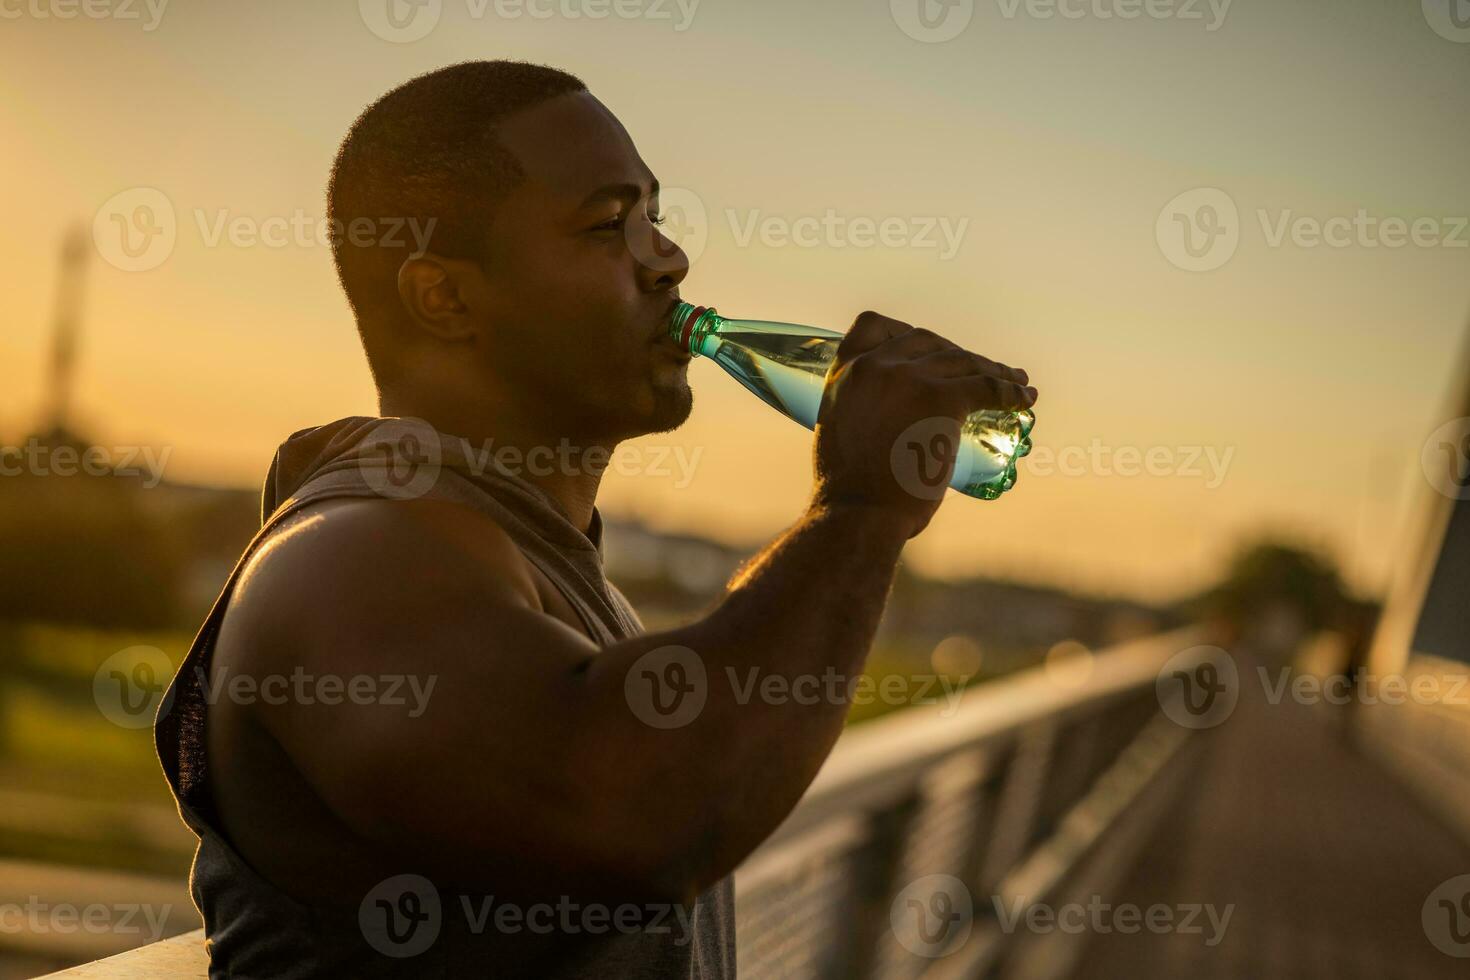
<point x="616" y="222"/>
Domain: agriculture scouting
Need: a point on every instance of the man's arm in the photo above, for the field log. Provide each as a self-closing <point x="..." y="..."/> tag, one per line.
<point x="534" y="760"/>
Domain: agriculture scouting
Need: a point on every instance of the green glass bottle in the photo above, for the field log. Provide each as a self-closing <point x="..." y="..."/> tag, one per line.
<point x="785" y="365"/>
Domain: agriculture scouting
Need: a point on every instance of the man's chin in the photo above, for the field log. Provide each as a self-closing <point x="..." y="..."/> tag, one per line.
<point x="671" y="407"/>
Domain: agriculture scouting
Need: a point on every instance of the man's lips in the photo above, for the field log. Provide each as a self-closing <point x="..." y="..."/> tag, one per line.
<point x="663" y="319"/>
<point x="663" y="341"/>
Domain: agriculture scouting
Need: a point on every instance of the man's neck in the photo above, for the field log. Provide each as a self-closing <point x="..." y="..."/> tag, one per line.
<point x="556" y="464"/>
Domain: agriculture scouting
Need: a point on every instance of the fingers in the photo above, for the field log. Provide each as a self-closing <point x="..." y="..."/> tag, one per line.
<point x="978" y="382"/>
<point x="917" y="343"/>
<point x="868" y="331"/>
<point x="986" y="391"/>
<point x="955" y="362"/>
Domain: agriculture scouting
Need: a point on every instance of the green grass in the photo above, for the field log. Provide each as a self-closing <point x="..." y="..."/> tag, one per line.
<point x="90" y="792"/>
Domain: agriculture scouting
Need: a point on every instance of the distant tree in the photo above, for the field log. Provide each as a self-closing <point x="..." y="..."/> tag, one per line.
<point x="81" y="550"/>
<point x="1267" y="575"/>
<point x="1274" y="591"/>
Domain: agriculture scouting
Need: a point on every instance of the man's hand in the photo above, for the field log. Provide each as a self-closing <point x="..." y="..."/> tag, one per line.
<point x="887" y="376"/>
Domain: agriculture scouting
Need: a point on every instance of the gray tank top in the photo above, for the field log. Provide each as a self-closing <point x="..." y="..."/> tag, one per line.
<point x="405" y="928"/>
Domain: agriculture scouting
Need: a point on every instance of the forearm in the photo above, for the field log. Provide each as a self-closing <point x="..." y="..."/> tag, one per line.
<point x="778" y="657"/>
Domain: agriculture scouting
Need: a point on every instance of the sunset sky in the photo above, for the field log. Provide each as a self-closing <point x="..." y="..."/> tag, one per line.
<point x="1290" y="387"/>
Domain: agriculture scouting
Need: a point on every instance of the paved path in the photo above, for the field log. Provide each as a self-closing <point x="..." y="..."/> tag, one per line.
<point x="1327" y="860"/>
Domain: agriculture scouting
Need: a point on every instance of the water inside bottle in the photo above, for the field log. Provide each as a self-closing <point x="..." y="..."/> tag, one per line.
<point x="788" y="372"/>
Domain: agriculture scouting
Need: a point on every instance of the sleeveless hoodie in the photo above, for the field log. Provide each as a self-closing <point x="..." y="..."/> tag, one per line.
<point x="252" y="928"/>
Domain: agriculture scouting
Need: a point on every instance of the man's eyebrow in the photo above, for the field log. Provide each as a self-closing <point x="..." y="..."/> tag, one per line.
<point x="618" y="192"/>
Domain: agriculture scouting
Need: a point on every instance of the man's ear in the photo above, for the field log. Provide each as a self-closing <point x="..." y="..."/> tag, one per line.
<point x="432" y="291"/>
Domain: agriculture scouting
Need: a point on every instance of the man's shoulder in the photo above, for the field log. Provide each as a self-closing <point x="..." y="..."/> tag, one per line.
<point x="340" y="568"/>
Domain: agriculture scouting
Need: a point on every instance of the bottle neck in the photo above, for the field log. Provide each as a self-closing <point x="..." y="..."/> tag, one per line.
<point x="690" y="325"/>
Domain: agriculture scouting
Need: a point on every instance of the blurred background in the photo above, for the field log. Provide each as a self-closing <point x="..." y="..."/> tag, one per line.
<point x="1228" y="241"/>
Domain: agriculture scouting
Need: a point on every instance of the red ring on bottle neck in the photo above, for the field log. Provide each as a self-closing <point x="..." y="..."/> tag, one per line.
<point x="689" y="322"/>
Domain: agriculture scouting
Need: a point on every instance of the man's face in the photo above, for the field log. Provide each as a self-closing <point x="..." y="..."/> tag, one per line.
<point x="578" y="281"/>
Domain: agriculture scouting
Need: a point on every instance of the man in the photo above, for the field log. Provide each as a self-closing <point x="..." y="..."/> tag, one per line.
<point x="531" y="810"/>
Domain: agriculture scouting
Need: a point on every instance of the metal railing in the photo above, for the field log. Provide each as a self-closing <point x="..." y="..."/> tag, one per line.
<point x="1038" y="786"/>
<point x="1041" y="786"/>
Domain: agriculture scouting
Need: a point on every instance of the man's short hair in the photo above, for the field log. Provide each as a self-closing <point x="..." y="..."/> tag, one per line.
<point x="428" y="151"/>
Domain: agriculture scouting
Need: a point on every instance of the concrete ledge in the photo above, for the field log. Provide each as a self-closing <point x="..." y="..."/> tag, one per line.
<point x="180" y="957"/>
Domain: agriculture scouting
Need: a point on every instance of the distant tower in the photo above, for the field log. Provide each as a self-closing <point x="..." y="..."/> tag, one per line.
<point x="57" y="416"/>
